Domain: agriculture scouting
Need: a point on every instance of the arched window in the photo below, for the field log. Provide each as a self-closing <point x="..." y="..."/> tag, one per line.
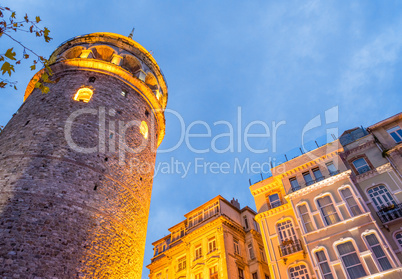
<point x="348" y="197"/>
<point x="305" y="218"/>
<point x="322" y="261"/>
<point x="286" y="231"/>
<point x="328" y="211"/>
<point x="288" y="241"/>
<point x="144" y="129"/>
<point x="299" y="272"/>
<point x="377" y="251"/>
<point x="381" y="197"/>
<point x="83" y="95"/>
<point x="398" y="238"/>
<point x="351" y="260"/>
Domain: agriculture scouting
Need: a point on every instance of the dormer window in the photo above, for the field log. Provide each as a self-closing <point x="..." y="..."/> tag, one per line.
<point x="396" y="134"/>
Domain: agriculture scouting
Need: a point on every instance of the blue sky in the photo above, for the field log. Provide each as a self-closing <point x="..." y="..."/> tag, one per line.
<point x="276" y="61"/>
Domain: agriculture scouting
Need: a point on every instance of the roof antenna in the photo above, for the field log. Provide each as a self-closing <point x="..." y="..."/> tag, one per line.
<point x="131" y="34"/>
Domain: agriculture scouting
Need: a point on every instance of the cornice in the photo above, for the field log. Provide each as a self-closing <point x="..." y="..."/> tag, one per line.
<point x="374" y="172"/>
<point x="358" y="148"/>
<point x="318" y="185"/>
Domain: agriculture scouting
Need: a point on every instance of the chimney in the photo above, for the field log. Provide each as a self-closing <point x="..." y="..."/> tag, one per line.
<point x="235" y="203"/>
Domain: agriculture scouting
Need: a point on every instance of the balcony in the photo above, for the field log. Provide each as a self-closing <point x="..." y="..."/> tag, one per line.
<point x="276" y="203"/>
<point x="289" y="247"/>
<point x="389" y="213"/>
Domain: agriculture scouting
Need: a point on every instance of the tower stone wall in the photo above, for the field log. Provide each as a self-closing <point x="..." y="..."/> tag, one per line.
<point x="75" y="177"/>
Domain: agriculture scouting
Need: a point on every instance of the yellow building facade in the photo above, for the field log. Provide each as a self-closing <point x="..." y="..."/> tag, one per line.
<point x="216" y="240"/>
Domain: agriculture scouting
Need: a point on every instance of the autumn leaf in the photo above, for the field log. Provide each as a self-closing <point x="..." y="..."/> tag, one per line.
<point x="26" y="56"/>
<point x="13" y="15"/>
<point x="45" y="77"/>
<point x="38" y="84"/>
<point x="45" y="89"/>
<point x="7" y="67"/>
<point x="15" y="87"/>
<point x="10" y="54"/>
<point x="33" y="67"/>
<point x="26" y="18"/>
<point x="37" y="19"/>
<point x="2" y="84"/>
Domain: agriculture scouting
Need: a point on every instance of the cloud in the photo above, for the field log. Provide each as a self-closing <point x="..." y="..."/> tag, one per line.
<point x="373" y="63"/>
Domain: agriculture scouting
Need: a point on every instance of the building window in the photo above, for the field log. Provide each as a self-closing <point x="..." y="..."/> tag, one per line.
<point x="251" y="251"/>
<point x="398" y="238"/>
<point x="198" y="276"/>
<point x="262" y="254"/>
<point x="266" y="276"/>
<point x="328" y="210"/>
<point x="305" y="218"/>
<point x="378" y="252"/>
<point x="257" y="228"/>
<point x="396" y="134"/>
<point x="295" y="185"/>
<point x="255" y="275"/>
<point x="307" y="178"/>
<point x="286" y="231"/>
<point x="182" y="264"/>
<point x="299" y="272"/>
<point x="274" y="201"/>
<point x="213" y="272"/>
<point x="211" y="210"/>
<point x="245" y="222"/>
<point x="236" y="246"/>
<point x="144" y="129"/>
<point x="351" y="260"/>
<point x="350" y="201"/>
<point x="323" y="264"/>
<point x="211" y="245"/>
<point x="381" y="197"/>
<point x="159" y="275"/>
<point x="83" y="95"/>
<point x="317" y="174"/>
<point x="361" y="165"/>
<point x="241" y="273"/>
<point x="198" y="252"/>
<point x="332" y="169"/>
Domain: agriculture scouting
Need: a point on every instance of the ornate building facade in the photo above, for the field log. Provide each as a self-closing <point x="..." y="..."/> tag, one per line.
<point x="77" y="163"/>
<point x="334" y="212"/>
<point x="216" y="240"/>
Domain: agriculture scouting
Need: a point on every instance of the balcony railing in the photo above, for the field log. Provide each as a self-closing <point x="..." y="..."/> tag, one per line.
<point x="276" y="203"/>
<point x="389" y="213"/>
<point x="290" y="247"/>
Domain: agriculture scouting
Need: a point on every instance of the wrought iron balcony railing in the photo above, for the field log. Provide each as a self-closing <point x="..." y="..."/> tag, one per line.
<point x="389" y="213"/>
<point x="289" y="247"/>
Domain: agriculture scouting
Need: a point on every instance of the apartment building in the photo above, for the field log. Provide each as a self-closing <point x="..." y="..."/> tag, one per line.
<point x="216" y="240"/>
<point x="316" y="217"/>
<point x="375" y="161"/>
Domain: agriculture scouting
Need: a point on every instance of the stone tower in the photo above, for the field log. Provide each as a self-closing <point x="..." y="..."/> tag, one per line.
<point x="77" y="164"/>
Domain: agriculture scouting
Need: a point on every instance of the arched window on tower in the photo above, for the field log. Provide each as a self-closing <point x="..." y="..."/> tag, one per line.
<point x="144" y="129"/>
<point x="83" y="95"/>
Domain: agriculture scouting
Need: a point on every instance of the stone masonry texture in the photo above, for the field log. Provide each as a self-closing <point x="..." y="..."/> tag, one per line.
<point x="68" y="214"/>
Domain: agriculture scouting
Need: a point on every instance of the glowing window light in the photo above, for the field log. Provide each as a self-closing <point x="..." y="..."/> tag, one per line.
<point x="144" y="129"/>
<point x="83" y="95"/>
